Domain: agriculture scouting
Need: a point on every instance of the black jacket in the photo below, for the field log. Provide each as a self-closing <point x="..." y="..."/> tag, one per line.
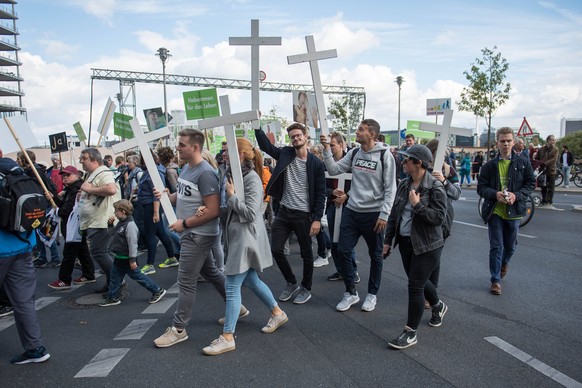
<point x="67" y="204"/>
<point x="428" y="215"/>
<point x="315" y="174"/>
<point x="521" y="182"/>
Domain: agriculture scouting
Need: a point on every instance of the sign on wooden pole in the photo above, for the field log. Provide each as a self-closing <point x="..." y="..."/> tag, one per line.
<point x="255" y="41"/>
<point x="227" y="120"/>
<point x="106" y="118"/>
<point x="444" y="130"/>
<point x="313" y="57"/>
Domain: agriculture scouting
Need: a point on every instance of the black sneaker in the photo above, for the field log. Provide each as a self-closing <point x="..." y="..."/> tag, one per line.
<point x="156" y="296"/>
<point x="5" y="310"/>
<point x="438" y="312"/>
<point x="335" y="276"/>
<point x="356" y="278"/>
<point x="35" y="355"/>
<point x="110" y="302"/>
<point x="404" y="340"/>
<point x="40" y="264"/>
<point x="54" y="264"/>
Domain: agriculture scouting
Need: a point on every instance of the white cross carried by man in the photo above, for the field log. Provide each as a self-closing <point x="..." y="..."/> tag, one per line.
<point x="141" y="140"/>
<point x="312" y="56"/>
<point x="255" y="41"/>
<point x="227" y="120"/>
<point x="444" y="130"/>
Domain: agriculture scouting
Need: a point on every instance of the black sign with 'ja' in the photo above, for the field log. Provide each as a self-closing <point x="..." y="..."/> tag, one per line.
<point x="58" y="142"/>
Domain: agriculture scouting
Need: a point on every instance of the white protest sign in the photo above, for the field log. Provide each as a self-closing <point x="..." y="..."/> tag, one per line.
<point x="227" y="120"/>
<point x="22" y="132"/>
<point x="341" y="185"/>
<point x="255" y="41"/>
<point x="106" y="118"/>
<point x="313" y="57"/>
<point x="445" y="130"/>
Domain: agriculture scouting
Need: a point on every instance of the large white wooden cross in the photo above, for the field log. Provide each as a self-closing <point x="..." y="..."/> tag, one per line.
<point x="313" y="57"/>
<point x="255" y="41"/>
<point x="444" y="130"/>
<point x="141" y="140"/>
<point x="227" y="120"/>
<point x="341" y="185"/>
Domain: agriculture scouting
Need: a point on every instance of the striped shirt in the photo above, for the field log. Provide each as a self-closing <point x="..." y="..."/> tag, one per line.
<point x="296" y="193"/>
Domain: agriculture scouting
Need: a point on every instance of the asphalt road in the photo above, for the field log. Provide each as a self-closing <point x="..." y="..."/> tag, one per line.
<point x="528" y="336"/>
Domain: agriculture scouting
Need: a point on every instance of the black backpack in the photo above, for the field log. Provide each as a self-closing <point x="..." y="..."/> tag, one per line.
<point x="22" y="202"/>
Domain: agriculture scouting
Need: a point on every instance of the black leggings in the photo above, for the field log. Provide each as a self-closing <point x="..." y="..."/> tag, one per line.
<point x="418" y="269"/>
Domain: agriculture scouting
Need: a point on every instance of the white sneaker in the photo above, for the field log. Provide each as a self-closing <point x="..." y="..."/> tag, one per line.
<point x="347" y="301"/>
<point x="320" y="262"/>
<point x="219" y="346"/>
<point x="369" y="303"/>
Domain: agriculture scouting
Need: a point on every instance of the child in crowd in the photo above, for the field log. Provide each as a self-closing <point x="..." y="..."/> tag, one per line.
<point x="124" y="248"/>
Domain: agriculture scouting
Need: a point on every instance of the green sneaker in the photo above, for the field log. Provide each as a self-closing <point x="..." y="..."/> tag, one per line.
<point x="169" y="262"/>
<point x="148" y="269"/>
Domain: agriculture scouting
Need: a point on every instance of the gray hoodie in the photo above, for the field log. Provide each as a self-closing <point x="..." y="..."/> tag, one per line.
<point x="373" y="182"/>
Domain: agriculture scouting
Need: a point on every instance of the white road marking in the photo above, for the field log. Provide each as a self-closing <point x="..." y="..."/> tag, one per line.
<point x="161" y="307"/>
<point x="103" y="363"/>
<point x="174" y="289"/>
<point x="485" y="227"/>
<point x="40" y="303"/>
<point x="545" y="369"/>
<point x="136" y="329"/>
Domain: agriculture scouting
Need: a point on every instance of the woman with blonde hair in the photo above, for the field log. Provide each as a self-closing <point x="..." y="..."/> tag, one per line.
<point x="247" y="250"/>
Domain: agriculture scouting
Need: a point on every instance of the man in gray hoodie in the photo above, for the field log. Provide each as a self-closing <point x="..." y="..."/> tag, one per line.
<point x="370" y="199"/>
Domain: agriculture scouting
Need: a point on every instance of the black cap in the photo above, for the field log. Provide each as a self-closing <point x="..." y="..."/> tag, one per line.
<point x="418" y="152"/>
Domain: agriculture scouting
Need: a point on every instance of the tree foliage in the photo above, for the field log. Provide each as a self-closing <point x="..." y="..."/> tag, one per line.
<point x="574" y="143"/>
<point x="347" y="110"/>
<point x="487" y="89"/>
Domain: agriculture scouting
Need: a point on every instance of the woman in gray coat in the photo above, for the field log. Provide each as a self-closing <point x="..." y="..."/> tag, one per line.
<point x="247" y="250"/>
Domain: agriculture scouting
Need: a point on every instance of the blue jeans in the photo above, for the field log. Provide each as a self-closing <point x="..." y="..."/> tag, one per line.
<point x="153" y="230"/>
<point x="331" y="212"/>
<point x="502" y="243"/>
<point x="42" y="251"/>
<point x="174" y="237"/>
<point x="233" y="285"/>
<point x="120" y="269"/>
<point x="353" y="226"/>
<point x="287" y="221"/>
<point x="566" y="171"/>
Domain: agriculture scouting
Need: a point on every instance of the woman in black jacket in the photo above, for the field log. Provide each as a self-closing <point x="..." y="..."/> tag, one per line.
<point x="78" y="249"/>
<point x="415" y="223"/>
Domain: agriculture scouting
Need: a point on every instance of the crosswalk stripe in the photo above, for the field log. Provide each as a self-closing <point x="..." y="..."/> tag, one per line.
<point x="103" y="363"/>
<point x="136" y="329"/>
<point x="38" y="304"/>
<point x="174" y="289"/>
<point x="161" y="307"/>
<point x="541" y="367"/>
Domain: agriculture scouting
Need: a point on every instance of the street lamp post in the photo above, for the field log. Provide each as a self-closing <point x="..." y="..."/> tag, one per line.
<point x="164" y="55"/>
<point x="399" y="81"/>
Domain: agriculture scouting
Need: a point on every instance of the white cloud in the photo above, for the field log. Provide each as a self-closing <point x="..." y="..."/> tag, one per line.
<point x="58" y="49"/>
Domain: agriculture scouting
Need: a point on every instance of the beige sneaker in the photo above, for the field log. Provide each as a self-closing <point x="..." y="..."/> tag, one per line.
<point x="219" y="346"/>
<point x="274" y="323"/>
<point x="170" y="337"/>
<point x="243" y="313"/>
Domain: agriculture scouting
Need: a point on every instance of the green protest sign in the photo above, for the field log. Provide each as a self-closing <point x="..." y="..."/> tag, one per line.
<point x="121" y="126"/>
<point x="201" y="104"/>
<point x="79" y="131"/>
<point x="413" y="128"/>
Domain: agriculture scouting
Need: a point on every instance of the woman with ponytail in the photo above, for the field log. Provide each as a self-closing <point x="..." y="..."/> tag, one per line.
<point x="247" y="250"/>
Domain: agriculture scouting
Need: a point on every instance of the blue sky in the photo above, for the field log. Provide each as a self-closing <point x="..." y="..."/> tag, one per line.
<point x="429" y="43"/>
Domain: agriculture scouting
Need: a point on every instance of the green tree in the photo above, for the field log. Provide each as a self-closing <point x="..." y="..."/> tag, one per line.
<point x="487" y="89"/>
<point x="574" y="143"/>
<point x="347" y="110"/>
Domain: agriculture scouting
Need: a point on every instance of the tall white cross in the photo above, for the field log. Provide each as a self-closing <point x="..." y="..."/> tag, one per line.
<point x="444" y="130"/>
<point x="255" y="41"/>
<point x="313" y="57"/>
<point x="141" y="140"/>
<point x="105" y="121"/>
<point x="341" y="185"/>
<point x="227" y="120"/>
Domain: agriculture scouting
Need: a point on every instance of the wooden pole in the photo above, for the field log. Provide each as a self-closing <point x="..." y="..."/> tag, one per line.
<point x="36" y="174"/>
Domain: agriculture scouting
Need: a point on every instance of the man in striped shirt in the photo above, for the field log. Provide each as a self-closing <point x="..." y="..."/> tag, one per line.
<point x="298" y="184"/>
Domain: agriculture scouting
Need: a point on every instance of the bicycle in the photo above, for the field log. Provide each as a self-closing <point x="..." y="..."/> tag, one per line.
<point x="575" y="175"/>
<point x="530" y="208"/>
